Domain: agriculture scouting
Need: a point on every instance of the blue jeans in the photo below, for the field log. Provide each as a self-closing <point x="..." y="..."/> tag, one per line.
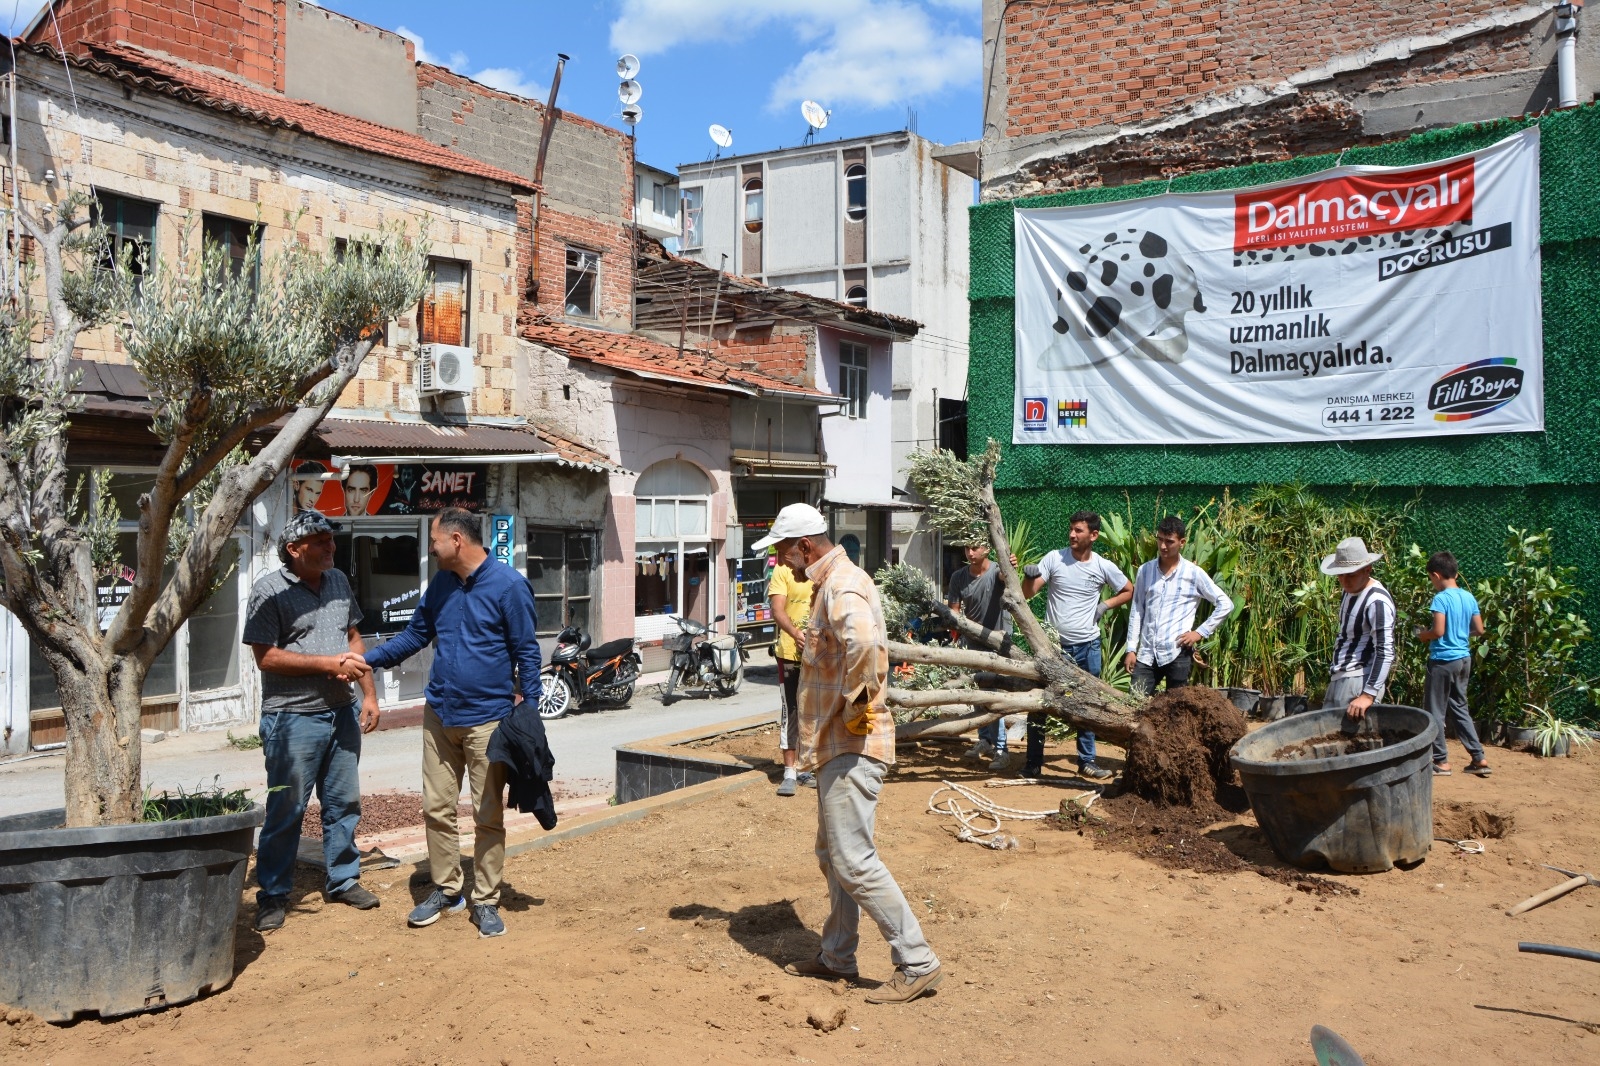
<point x="1087" y="656"/>
<point x="306" y="751"/>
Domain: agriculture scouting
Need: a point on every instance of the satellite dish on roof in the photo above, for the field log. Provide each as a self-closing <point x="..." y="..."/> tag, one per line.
<point x="629" y="91"/>
<point x="632" y="114"/>
<point x="815" y="116"/>
<point x="721" y="135"/>
<point x="628" y="67"/>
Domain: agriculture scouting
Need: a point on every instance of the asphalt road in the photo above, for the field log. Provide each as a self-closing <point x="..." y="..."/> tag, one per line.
<point x="391" y="760"/>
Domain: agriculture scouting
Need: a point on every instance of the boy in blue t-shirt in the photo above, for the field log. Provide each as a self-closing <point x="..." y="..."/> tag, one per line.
<point x="1455" y="617"/>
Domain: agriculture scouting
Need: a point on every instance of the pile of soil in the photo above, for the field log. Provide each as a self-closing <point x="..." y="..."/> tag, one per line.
<point x="1179" y="755"/>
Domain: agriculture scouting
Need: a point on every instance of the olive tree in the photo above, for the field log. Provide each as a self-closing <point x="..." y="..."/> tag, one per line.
<point x="226" y="352"/>
<point x="962" y="504"/>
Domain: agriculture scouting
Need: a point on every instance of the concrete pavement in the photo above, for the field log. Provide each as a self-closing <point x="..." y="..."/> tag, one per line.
<point x="391" y="759"/>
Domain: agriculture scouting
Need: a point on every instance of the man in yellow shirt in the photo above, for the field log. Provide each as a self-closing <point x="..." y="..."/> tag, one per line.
<point x="790" y="597"/>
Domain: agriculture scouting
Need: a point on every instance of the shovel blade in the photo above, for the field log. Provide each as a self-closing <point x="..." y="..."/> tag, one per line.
<point x="1332" y="1049"/>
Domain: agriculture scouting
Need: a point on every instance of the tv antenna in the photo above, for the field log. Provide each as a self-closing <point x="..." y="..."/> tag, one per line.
<point x="816" y="118"/>
<point x="722" y="137"/>
<point x="628" y="91"/>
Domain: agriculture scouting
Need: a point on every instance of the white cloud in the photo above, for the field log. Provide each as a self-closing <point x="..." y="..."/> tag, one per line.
<point x="870" y="53"/>
<point x="506" y="79"/>
<point x="510" y="80"/>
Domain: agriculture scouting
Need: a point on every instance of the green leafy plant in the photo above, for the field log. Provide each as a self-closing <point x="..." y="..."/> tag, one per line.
<point x="244" y="741"/>
<point x="1528" y="654"/>
<point x="203" y="802"/>
<point x="1551" y="732"/>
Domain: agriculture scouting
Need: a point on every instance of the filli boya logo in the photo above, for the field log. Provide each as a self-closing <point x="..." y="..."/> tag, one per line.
<point x="1475" y="389"/>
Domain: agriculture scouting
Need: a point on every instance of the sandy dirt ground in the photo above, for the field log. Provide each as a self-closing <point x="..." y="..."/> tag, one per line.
<point x="662" y="941"/>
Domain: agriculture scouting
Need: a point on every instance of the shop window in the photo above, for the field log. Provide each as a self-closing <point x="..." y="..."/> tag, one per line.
<point x="560" y="569"/>
<point x="853" y="378"/>
<point x="127" y="222"/>
<point x="214" y="636"/>
<point x="754" y="205"/>
<point x="443" y="316"/>
<point x="693" y="201"/>
<point x="672" y="501"/>
<point x="240" y="243"/>
<point x="855" y="192"/>
<point x="583" y="282"/>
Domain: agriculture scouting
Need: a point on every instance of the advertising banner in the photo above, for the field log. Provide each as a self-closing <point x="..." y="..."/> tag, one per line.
<point x="1356" y="303"/>
<point x="387" y="488"/>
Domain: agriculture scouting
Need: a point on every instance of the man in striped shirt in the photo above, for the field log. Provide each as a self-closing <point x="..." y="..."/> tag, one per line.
<point x="1363" y="653"/>
<point x="1161" y="630"/>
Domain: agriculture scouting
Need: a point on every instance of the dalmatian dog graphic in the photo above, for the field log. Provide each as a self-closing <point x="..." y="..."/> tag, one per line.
<point x="1128" y="296"/>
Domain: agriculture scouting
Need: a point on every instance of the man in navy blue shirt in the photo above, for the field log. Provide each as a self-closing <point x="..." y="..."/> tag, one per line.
<point x="478" y="614"/>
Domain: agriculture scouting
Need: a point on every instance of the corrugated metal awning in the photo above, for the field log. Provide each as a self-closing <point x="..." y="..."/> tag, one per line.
<point x="424" y="438"/>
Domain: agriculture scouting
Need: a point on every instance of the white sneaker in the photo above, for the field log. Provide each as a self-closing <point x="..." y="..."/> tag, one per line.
<point x="1001" y="762"/>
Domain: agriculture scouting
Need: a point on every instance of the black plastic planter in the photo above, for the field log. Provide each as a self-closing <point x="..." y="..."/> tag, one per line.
<point x="1360" y="813"/>
<point x="118" y="919"/>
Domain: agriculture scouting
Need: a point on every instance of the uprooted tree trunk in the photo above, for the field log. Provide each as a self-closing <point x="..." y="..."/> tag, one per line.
<point x="224" y="355"/>
<point x="1060" y="686"/>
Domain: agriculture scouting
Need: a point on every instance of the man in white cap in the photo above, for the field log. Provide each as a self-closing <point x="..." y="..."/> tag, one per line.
<point x="847" y="740"/>
<point x="1363" y="654"/>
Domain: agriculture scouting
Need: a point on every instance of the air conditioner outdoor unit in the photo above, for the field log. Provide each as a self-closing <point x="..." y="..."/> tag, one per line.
<point x="446" y="368"/>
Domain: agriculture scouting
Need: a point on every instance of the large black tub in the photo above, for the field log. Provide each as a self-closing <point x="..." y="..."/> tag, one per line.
<point x="1359" y="802"/>
<point x="121" y="918"/>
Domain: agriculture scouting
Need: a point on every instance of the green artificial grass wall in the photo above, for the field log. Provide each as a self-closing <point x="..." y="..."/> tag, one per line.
<point x="1471" y="487"/>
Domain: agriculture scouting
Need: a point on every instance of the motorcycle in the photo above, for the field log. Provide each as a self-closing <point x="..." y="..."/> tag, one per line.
<point x="704" y="659"/>
<point x="579" y="677"/>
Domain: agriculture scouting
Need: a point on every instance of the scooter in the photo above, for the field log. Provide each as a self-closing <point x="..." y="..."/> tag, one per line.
<point x="703" y="659"/>
<point x="579" y="677"/>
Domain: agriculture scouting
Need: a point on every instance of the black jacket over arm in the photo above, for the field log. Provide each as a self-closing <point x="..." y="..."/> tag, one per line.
<point x="519" y="743"/>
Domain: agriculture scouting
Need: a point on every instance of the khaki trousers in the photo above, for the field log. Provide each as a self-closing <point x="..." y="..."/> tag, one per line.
<point x="447" y="753"/>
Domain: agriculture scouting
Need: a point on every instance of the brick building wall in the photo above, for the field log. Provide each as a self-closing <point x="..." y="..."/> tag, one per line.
<point x="192" y="161"/>
<point x="588" y="182"/>
<point x="788" y="351"/>
<point x="243" y="37"/>
<point x="1073" y="64"/>
<point x="1082" y="93"/>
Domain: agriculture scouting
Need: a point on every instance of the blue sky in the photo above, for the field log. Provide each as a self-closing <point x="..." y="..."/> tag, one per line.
<point x="746" y="64"/>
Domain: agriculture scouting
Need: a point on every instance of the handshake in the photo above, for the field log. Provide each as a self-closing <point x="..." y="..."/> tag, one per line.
<point x="349" y="667"/>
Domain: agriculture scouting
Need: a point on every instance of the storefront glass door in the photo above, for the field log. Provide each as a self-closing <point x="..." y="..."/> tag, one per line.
<point x="386" y="562"/>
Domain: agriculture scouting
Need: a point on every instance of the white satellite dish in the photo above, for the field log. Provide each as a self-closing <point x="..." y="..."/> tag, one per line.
<point x="721" y="136"/>
<point x="629" y="91"/>
<point x="814" y="114"/>
<point x="628" y="67"/>
<point x="632" y="114"/>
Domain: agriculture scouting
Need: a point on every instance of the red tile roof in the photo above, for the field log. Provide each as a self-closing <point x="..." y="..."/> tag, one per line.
<point x="210" y="90"/>
<point x="641" y="357"/>
<point x="571" y="451"/>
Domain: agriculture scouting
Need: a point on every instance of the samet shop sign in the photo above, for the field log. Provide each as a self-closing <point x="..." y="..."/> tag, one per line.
<point x="1357" y="303"/>
<point x="387" y="488"/>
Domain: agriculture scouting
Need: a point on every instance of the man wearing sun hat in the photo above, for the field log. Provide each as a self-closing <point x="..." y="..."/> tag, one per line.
<point x="847" y="740"/>
<point x="1363" y="654"/>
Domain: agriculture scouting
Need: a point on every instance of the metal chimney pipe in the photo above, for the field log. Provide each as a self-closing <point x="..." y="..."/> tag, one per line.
<point x="546" y="130"/>
<point x="1566" y="54"/>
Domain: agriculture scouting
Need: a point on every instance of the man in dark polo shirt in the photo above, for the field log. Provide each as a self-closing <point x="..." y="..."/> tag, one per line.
<point x="478" y="614"/>
<point x="301" y="625"/>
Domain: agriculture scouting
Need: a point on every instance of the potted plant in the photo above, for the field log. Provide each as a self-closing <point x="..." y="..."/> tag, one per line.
<point x="1553" y="737"/>
<point x="101" y="910"/>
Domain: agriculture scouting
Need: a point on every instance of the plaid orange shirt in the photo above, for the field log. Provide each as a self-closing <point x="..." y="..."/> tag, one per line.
<point x="846" y="655"/>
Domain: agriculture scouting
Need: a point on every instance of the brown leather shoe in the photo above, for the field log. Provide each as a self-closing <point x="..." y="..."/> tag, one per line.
<point x="815" y="968"/>
<point x="903" y="989"/>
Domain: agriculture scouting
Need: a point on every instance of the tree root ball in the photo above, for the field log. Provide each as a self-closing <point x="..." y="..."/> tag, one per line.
<point x="1178" y="756"/>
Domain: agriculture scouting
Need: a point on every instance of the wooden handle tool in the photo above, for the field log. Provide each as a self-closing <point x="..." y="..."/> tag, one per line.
<point x="1547" y="895"/>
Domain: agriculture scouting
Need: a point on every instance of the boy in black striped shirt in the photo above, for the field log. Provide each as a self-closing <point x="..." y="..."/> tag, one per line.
<point x="1363" y="654"/>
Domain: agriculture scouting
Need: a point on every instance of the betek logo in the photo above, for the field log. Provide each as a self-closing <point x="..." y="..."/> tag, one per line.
<point x="1356" y="205"/>
<point x="1034" y="412"/>
<point x="1475" y="389"/>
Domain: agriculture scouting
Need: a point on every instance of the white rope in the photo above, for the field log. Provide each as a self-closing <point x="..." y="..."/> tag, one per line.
<point x="983" y="808"/>
<point x="1471" y="847"/>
